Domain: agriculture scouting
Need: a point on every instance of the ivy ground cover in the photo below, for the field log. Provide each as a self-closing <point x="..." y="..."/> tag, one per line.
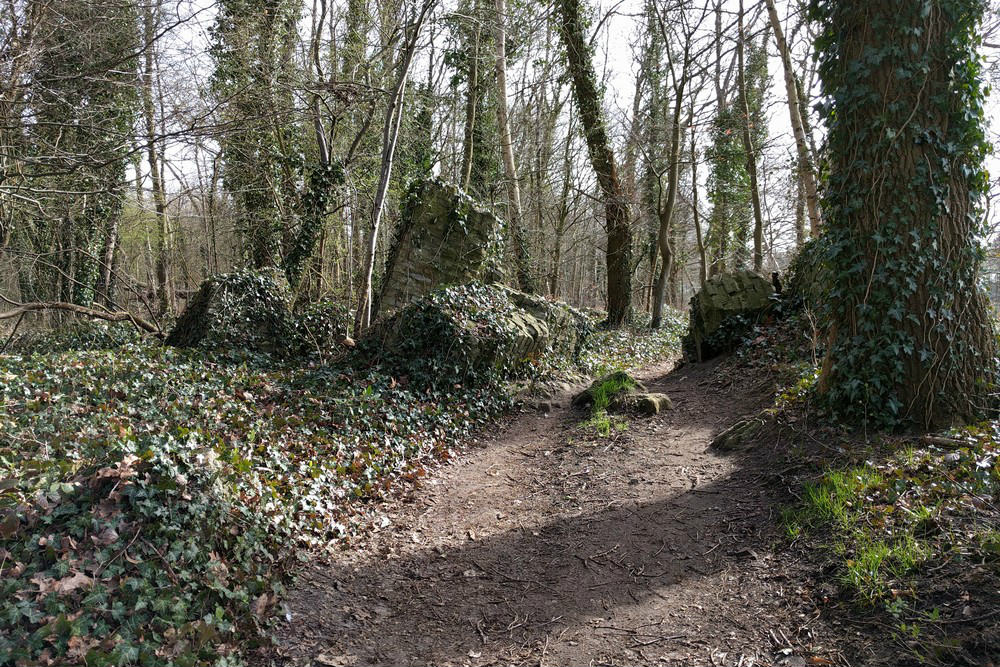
<point x="152" y="498"/>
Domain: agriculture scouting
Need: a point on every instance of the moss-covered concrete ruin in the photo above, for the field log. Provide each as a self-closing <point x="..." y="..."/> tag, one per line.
<point x="444" y="238"/>
<point x="477" y="333"/>
<point x="724" y="297"/>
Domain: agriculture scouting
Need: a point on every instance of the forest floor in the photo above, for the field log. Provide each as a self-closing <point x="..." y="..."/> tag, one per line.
<point x="546" y="544"/>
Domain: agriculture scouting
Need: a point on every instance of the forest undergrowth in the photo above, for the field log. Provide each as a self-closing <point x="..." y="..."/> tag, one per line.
<point x="152" y="499"/>
<point x="902" y="529"/>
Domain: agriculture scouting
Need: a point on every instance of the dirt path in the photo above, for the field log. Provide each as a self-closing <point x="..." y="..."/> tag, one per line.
<point x="549" y="546"/>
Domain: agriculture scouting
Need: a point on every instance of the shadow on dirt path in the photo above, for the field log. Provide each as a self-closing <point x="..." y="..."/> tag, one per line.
<point x="548" y="545"/>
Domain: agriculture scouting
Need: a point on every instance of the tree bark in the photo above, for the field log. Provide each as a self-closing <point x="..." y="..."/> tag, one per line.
<point x="163" y="292"/>
<point x="911" y="339"/>
<point x="666" y="213"/>
<point x="758" y="227"/>
<point x="702" y="256"/>
<point x="471" y="102"/>
<point x="618" y="254"/>
<point x="19" y="309"/>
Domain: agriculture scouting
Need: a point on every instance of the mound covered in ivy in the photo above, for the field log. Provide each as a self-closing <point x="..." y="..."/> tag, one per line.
<point x="478" y="335"/>
<point x="244" y="309"/>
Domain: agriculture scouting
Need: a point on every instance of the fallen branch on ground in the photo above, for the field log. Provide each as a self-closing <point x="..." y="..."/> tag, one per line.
<point x="107" y="315"/>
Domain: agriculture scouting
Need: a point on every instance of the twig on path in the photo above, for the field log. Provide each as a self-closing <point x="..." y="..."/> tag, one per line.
<point x="717" y="545"/>
<point x="507" y="577"/>
<point x="479" y="629"/>
<point x="657" y="640"/>
<point x="970" y="619"/>
<point x="116" y="556"/>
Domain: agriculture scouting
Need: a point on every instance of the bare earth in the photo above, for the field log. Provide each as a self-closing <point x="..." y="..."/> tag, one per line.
<point x="547" y="545"/>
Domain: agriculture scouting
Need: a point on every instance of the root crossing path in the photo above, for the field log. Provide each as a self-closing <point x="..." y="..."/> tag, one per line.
<point x="548" y="545"/>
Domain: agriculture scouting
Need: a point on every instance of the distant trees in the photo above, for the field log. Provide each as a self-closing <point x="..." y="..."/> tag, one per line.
<point x="147" y="144"/>
<point x="76" y="131"/>
<point x="738" y="126"/>
<point x="254" y="79"/>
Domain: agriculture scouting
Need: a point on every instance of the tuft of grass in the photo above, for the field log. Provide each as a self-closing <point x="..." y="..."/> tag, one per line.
<point x="876" y="565"/>
<point x="602" y="394"/>
<point x="874" y="559"/>
<point x="607" y="390"/>
<point x="864" y="573"/>
<point x="837" y="494"/>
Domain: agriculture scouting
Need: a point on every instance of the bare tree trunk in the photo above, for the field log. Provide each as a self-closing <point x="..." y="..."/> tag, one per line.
<point x="390" y="136"/>
<point x="758" y="227"/>
<point x="163" y="292"/>
<point x="702" y="256"/>
<point x="108" y="261"/>
<point x="666" y="213"/>
<point x="588" y="100"/>
<point x="563" y="217"/>
<point x="800" y="206"/>
<point x="525" y="280"/>
<point x="805" y="171"/>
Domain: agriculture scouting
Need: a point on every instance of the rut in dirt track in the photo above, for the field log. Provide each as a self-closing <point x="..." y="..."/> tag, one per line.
<point x="548" y="546"/>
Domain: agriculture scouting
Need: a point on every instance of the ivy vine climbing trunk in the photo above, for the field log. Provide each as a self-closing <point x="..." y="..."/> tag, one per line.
<point x="471" y="97"/>
<point x="602" y="158"/>
<point x="751" y="155"/>
<point x="252" y="82"/>
<point x="323" y="177"/>
<point x="910" y="336"/>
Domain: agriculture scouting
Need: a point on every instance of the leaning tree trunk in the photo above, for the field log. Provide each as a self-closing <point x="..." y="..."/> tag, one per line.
<point x="805" y="171"/>
<point x="602" y="157"/>
<point x="522" y="258"/>
<point x="910" y="338"/>
<point x="390" y="136"/>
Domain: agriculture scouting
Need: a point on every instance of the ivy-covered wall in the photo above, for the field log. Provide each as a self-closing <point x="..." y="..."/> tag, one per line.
<point x="910" y="338"/>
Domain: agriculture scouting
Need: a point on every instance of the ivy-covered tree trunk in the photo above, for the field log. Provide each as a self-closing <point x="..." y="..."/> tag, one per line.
<point x="602" y="157"/>
<point x="910" y="338"/>
<point x="252" y="45"/>
<point x="82" y="113"/>
<point x="472" y="48"/>
<point x="751" y="152"/>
